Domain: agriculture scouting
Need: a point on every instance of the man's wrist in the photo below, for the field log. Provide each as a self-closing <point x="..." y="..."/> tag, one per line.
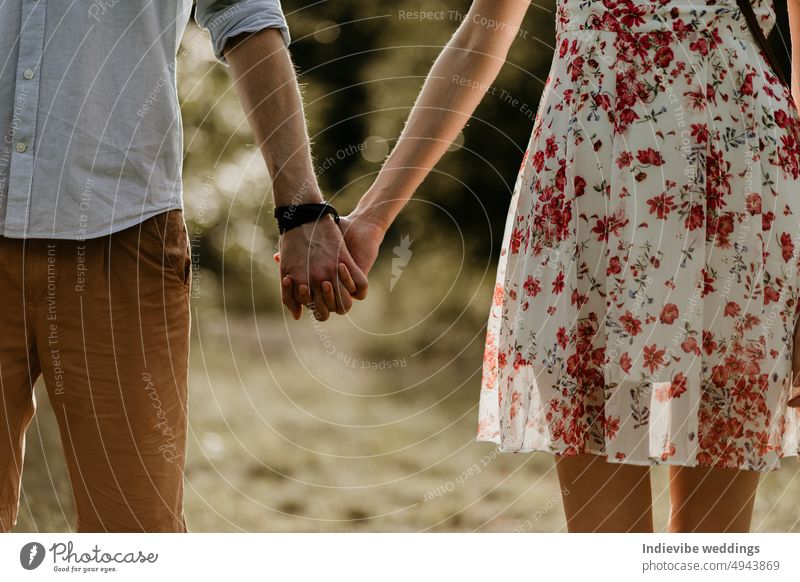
<point x="291" y="216"/>
<point x="297" y="196"/>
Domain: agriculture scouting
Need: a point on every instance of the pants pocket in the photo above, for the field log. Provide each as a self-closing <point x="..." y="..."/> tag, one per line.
<point x="175" y="248"/>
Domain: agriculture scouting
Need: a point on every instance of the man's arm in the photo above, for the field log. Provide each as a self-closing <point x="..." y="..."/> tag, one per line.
<point x="267" y="87"/>
<point x="251" y="40"/>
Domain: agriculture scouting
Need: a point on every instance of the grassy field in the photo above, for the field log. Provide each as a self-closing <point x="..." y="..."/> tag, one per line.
<point x="364" y="423"/>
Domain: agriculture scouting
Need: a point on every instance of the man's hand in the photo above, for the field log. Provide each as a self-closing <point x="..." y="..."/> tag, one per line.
<point x="362" y="238"/>
<point x="318" y="271"/>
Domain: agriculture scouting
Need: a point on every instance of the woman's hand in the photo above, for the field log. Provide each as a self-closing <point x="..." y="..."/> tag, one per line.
<point x="363" y="237"/>
<point x="317" y="270"/>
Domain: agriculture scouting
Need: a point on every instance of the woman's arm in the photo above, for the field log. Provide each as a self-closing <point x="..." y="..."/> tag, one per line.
<point x="453" y="89"/>
<point x="793" y="6"/>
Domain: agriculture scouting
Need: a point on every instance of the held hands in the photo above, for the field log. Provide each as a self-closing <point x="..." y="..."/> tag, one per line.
<point x="324" y="266"/>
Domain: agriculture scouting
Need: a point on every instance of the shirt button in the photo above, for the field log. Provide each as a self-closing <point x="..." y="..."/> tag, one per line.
<point x="21" y="147"/>
<point x="28" y="74"/>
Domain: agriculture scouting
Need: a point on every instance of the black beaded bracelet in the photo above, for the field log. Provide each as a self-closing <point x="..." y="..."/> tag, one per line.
<point x="289" y="217"/>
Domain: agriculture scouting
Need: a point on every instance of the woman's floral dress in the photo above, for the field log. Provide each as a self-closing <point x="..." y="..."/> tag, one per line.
<point x="647" y="289"/>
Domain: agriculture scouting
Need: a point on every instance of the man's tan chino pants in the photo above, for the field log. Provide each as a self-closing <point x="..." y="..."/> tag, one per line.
<point x="106" y="322"/>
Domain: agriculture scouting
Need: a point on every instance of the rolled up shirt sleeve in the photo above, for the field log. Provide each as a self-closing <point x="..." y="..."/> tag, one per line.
<point x="225" y="19"/>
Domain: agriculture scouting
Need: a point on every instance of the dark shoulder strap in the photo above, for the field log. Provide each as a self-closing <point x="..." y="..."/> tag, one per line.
<point x="755" y="28"/>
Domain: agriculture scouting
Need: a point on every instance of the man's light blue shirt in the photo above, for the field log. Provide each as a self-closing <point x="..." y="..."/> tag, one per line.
<point x="91" y="130"/>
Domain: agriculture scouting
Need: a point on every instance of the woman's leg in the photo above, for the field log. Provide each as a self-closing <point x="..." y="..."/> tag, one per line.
<point x="705" y="499"/>
<point x="600" y="496"/>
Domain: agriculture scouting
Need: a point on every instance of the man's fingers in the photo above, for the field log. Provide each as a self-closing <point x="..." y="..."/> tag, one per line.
<point x="288" y="299"/>
<point x="303" y="294"/>
<point x="321" y="312"/>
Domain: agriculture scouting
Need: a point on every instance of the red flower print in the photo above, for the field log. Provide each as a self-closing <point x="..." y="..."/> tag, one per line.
<point x="578" y="298"/>
<point x="661" y="205"/>
<point x="708" y="281"/>
<point x="669" y="452"/>
<point x="498" y="294"/>
<point x="580" y="186"/>
<point x="515" y="396"/>
<point x="538" y="160"/>
<point x="551" y="147"/>
<point x="603" y="101"/>
<point x="624" y="118"/>
<point x="558" y="284"/>
<point x="766" y="220"/>
<point x="664" y="56"/>
<point x="614" y="223"/>
<point x="770" y="294"/>
<point x="696" y="217"/>
<point x="732" y="309"/>
<point x="787" y="246"/>
<point x="689" y="345"/>
<point x="747" y="84"/>
<point x="532" y="286"/>
<point x="709" y="345"/>
<point x="614" y="266"/>
<point x="650" y="157"/>
<point x="700" y="132"/>
<point x="625" y="362"/>
<point x="754" y="203"/>
<point x="624" y="160"/>
<point x="781" y="119"/>
<point x="669" y="313"/>
<point x="653" y="357"/>
<point x="720" y="375"/>
<point x="516" y="241"/>
<point x="630" y="323"/>
<point x="612" y="426"/>
<point x="699" y="46"/>
<point x="575" y="67"/>
<point x="678" y="385"/>
<point x="562" y="337"/>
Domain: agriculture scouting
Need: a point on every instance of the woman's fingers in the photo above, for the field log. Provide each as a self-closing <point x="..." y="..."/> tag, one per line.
<point x="346" y="278"/>
<point x="360" y="281"/>
<point x="354" y="280"/>
<point x="343" y="299"/>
